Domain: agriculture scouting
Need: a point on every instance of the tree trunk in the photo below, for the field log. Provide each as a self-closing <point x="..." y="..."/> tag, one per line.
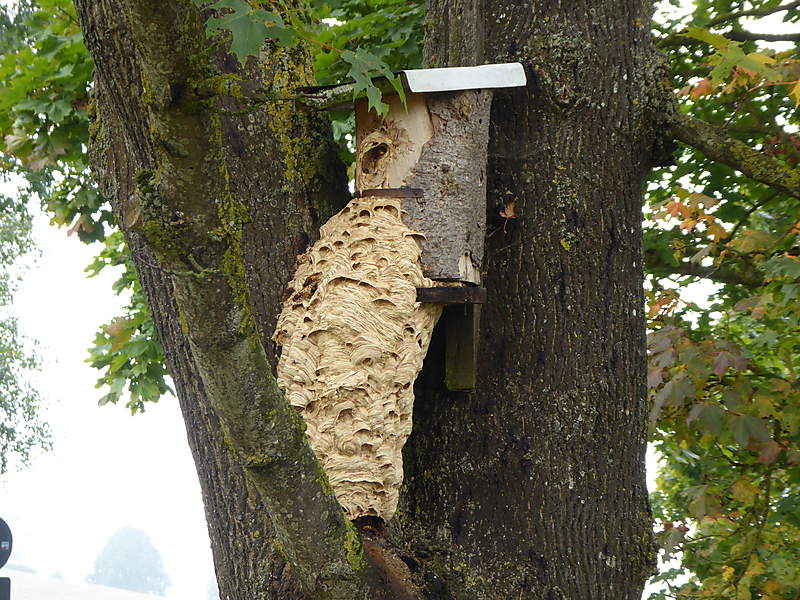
<point x="530" y="486"/>
<point x="533" y="486"/>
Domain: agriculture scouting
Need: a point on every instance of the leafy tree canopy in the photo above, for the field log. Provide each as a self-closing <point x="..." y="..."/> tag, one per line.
<point x="21" y="428"/>
<point x="130" y="561"/>
<point x="723" y="372"/>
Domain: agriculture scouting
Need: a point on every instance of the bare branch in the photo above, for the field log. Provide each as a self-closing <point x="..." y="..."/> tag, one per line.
<point x="720" y="274"/>
<point x="751" y="36"/>
<point x="679" y="39"/>
<point x="755" y="12"/>
<point x="717" y="144"/>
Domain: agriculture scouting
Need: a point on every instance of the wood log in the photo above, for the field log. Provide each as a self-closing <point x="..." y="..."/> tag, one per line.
<point x="436" y="143"/>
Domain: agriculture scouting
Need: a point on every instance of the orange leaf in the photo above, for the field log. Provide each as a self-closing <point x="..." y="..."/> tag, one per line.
<point x="769" y="452"/>
<point x="509" y="211"/>
<point x="675" y="208"/>
<point x="704" y="88"/>
<point x="716" y="231"/>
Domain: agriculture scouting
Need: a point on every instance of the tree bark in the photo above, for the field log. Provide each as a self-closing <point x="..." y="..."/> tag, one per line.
<point x="532" y="485"/>
<point x="207" y="223"/>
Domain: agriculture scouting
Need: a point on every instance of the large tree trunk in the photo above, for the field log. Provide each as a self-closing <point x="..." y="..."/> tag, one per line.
<point x="532" y="485"/>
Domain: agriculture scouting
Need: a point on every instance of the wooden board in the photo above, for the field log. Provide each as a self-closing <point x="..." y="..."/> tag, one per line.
<point x="452" y="295"/>
<point x="461" y="346"/>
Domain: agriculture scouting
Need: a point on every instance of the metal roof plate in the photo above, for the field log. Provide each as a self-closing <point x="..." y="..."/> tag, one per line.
<point x="451" y="79"/>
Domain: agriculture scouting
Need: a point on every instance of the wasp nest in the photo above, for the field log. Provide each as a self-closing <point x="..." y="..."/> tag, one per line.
<point x="354" y="338"/>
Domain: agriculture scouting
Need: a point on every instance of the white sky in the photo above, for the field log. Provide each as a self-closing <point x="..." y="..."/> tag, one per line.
<point x="108" y="469"/>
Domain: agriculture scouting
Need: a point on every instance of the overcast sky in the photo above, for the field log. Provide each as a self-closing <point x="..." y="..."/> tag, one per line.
<point x="108" y="469"/>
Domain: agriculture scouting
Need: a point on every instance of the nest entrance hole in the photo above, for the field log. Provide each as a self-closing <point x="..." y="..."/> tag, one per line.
<point x="371" y="159"/>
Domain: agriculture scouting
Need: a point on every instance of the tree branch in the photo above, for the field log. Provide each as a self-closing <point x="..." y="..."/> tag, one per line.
<point x="191" y="215"/>
<point x="749" y="213"/>
<point x="678" y="39"/>
<point x="750" y="36"/>
<point x="720" y="146"/>
<point x="715" y="273"/>
<point x="755" y="12"/>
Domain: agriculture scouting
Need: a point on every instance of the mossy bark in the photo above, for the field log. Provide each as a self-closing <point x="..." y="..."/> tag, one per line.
<point x="189" y="171"/>
<point x="720" y="146"/>
<point x="532" y="486"/>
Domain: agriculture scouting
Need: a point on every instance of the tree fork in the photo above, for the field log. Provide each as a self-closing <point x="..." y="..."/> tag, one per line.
<point x="533" y="485"/>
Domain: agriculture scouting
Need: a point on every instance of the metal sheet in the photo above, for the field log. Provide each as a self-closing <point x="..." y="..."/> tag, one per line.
<point x="465" y="78"/>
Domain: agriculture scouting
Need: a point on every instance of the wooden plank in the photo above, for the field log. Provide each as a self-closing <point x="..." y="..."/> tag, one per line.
<point x="452" y="171"/>
<point x="461" y="346"/>
<point x="437" y="143"/>
<point x="392" y="193"/>
<point x="452" y="295"/>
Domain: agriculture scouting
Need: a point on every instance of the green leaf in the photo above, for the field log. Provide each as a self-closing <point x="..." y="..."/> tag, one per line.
<point x="746" y="428"/>
<point x="711" y="416"/>
<point x="720" y="42"/>
<point x="137" y="348"/>
<point x="249" y="27"/>
<point x="703" y="503"/>
<point x="363" y="67"/>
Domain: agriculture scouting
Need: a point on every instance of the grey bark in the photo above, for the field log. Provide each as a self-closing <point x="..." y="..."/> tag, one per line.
<point x="452" y="174"/>
<point x="533" y="486"/>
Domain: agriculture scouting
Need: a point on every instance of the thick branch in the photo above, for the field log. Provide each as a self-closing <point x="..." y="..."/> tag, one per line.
<point x="188" y="214"/>
<point x="719" y="274"/>
<point x="718" y="145"/>
<point x="751" y="36"/>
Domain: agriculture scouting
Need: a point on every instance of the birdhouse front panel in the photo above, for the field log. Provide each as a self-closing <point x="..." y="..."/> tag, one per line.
<point x="436" y="148"/>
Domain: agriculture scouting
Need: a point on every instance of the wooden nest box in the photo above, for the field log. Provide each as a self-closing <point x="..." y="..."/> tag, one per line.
<point x="431" y="152"/>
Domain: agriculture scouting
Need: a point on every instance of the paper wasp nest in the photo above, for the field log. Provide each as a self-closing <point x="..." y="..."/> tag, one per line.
<point x="354" y="338"/>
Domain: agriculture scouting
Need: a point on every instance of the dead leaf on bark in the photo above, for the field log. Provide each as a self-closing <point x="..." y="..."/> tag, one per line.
<point x="509" y="210"/>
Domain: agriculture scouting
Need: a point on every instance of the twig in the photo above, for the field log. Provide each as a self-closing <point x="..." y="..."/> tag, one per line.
<point x="749" y="212"/>
<point x="752" y="36"/>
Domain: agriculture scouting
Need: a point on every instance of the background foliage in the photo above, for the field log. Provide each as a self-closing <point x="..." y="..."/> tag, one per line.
<point x="21" y="427"/>
<point x="130" y="561"/>
<point x="724" y="371"/>
<point x="722" y="252"/>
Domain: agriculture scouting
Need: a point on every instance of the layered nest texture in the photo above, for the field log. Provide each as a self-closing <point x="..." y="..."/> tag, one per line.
<point x="353" y="340"/>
